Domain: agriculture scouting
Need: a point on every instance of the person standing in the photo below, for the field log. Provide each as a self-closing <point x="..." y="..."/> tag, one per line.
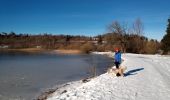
<point x="117" y="58"/>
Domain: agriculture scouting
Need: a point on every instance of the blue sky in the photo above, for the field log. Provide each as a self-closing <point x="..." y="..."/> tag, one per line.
<point x="82" y="17"/>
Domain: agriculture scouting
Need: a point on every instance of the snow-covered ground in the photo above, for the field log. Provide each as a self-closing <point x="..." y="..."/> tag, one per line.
<point x="147" y="78"/>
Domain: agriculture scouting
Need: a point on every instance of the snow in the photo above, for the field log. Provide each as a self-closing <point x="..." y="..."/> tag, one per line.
<point x="147" y="78"/>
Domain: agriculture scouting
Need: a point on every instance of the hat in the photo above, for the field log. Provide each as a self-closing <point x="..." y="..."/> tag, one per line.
<point x="116" y="49"/>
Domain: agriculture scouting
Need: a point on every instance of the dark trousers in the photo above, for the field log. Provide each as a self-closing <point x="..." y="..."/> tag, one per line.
<point x="117" y="65"/>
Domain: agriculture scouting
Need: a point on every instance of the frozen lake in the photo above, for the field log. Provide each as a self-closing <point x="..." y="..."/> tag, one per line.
<point x="25" y="75"/>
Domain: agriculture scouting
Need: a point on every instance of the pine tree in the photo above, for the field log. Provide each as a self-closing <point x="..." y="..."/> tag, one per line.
<point x="166" y="39"/>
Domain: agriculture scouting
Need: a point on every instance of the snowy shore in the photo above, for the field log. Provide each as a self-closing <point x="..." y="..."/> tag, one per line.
<point x="147" y="78"/>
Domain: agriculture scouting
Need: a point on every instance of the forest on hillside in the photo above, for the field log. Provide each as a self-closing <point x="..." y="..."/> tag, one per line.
<point x="106" y="42"/>
<point x="130" y="40"/>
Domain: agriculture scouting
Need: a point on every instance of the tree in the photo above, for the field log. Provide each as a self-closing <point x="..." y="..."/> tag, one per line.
<point x="99" y="40"/>
<point x="119" y="31"/>
<point x="138" y="30"/>
<point x="138" y="27"/>
<point x="166" y="39"/>
<point x="118" y="28"/>
<point x="151" y="47"/>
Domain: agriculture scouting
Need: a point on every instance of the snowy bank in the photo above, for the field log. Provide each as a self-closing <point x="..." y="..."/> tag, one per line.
<point x="147" y="78"/>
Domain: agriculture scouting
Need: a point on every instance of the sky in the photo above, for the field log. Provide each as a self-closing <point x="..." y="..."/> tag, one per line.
<point x="82" y="17"/>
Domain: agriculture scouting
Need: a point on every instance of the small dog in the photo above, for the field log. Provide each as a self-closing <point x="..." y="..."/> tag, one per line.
<point x="117" y="72"/>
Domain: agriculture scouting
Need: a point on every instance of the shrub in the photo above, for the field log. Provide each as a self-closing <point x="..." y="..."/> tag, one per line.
<point x="87" y="47"/>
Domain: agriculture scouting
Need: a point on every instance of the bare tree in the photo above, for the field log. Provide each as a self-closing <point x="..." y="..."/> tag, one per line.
<point x="138" y="30"/>
<point x="121" y="29"/>
<point x="118" y="28"/>
<point x="138" y="27"/>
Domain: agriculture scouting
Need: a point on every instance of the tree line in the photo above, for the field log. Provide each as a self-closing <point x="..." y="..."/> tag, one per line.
<point x="129" y="38"/>
<point x="46" y="41"/>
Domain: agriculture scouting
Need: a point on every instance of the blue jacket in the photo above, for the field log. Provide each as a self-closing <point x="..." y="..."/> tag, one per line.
<point x="117" y="57"/>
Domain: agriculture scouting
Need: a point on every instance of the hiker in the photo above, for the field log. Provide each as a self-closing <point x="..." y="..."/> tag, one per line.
<point x="117" y="57"/>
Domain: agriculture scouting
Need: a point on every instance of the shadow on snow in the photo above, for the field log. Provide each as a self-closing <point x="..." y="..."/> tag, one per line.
<point x="133" y="71"/>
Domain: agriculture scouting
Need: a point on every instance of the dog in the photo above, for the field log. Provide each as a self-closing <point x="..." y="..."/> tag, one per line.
<point x="117" y="72"/>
